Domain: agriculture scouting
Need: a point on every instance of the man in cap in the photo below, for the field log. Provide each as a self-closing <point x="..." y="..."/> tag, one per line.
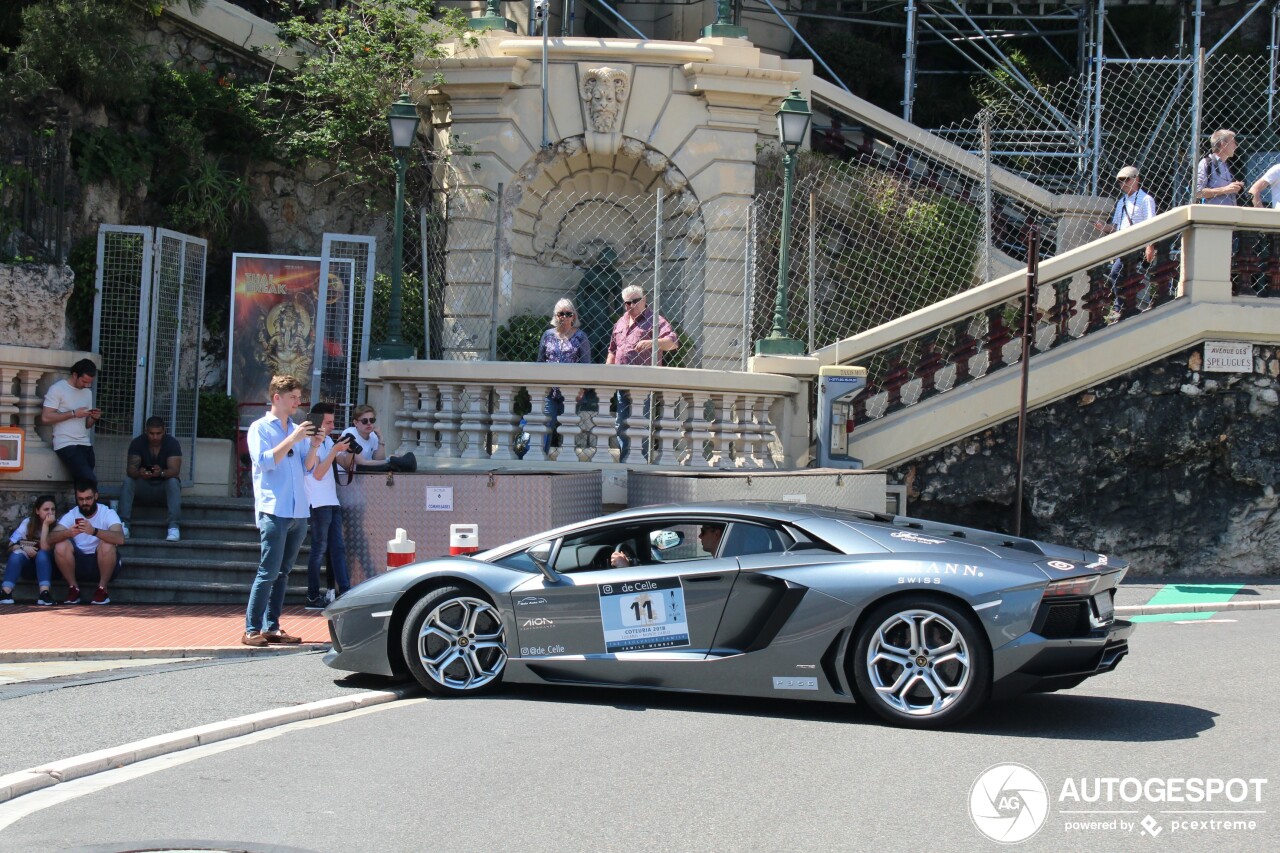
<point x="1134" y="206"/>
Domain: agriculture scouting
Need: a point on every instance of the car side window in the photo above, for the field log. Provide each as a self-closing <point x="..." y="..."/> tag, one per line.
<point x="745" y="538"/>
<point x="590" y="551"/>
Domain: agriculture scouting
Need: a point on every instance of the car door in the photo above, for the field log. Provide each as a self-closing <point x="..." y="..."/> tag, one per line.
<point x="666" y="605"/>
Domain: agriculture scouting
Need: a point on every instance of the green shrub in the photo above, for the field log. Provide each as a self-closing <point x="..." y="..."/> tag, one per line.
<point x="218" y="416"/>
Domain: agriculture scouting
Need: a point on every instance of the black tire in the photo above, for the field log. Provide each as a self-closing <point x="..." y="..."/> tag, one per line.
<point x="440" y="645"/>
<point x="921" y="662"/>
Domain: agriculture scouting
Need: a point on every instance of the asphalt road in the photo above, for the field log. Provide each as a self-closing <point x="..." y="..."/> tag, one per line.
<point x="551" y="769"/>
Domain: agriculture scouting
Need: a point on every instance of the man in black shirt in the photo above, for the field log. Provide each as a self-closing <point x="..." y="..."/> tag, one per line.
<point x="153" y="476"/>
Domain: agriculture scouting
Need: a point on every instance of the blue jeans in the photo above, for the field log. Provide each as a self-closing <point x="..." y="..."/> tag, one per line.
<point x="326" y="538"/>
<point x="151" y="493"/>
<point x="20" y="565"/>
<point x="622" y="405"/>
<point x="553" y="408"/>
<point x="280" y="539"/>
<point x="80" y="462"/>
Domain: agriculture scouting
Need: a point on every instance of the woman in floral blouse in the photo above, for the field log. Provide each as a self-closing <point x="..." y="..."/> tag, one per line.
<point x="563" y="343"/>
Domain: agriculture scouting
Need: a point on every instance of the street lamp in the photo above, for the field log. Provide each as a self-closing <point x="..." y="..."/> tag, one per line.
<point x="793" y="127"/>
<point x="403" y="119"/>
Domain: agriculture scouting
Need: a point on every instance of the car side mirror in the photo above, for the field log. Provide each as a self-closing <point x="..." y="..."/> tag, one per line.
<point x="541" y="556"/>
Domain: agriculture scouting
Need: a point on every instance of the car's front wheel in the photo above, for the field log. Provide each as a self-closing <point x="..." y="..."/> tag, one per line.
<point x="454" y="642"/>
<point x="922" y="662"/>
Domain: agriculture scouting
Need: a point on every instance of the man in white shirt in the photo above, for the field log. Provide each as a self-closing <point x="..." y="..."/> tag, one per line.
<point x="86" y="544"/>
<point x="326" y="511"/>
<point x="368" y="440"/>
<point x="1134" y="206"/>
<point x="1267" y="182"/>
<point x="68" y="408"/>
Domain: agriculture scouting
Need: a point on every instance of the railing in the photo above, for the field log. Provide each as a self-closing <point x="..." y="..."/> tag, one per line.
<point x="462" y="414"/>
<point x="1203" y="253"/>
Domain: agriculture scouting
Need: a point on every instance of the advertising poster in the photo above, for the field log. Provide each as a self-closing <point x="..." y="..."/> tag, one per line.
<point x="273" y="325"/>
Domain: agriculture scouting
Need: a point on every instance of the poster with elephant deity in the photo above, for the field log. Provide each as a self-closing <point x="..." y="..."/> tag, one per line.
<point x="274" y="302"/>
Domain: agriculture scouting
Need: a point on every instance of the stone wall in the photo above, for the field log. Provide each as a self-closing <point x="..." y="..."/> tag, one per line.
<point x="1169" y="467"/>
<point x="33" y="305"/>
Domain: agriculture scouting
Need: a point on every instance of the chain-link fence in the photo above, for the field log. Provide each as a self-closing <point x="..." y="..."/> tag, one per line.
<point x="497" y="270"/>
<point x="1074" y="137"/>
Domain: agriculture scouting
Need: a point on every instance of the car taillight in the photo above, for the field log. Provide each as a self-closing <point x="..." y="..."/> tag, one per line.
<point x="1071" y="586"/>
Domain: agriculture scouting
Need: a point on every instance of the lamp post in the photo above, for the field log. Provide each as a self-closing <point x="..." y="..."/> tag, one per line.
<point x="793" y="126"/>
<point x="403" y="119"/>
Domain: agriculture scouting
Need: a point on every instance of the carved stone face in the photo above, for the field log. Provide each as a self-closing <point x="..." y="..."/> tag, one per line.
<point x="605" y="90"/>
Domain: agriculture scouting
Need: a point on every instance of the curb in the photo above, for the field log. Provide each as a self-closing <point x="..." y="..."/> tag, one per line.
<point x="1153" y="609"/>
<point x="38" y="655"/>
<point x="15" y="785"/>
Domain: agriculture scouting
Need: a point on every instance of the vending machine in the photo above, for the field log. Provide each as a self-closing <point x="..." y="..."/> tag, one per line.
<point x="837" y="388"/>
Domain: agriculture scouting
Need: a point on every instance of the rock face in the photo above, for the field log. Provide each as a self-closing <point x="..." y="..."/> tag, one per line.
<point x="1171" y="468"/>
<point x="33" y="302"/>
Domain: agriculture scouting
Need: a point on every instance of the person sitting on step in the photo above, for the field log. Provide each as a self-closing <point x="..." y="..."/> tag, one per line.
<point x="86" y="544"/>
<point x="30" y="553"/>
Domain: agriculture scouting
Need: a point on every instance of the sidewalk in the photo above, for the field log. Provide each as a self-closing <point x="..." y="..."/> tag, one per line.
<point x="31" y="633"/>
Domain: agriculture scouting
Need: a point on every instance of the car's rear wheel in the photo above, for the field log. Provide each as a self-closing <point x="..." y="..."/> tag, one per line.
<point x="454" y="642"/>
<point x="922" y="662"/>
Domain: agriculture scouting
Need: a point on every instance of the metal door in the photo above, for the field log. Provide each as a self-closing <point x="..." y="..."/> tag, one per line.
<point x="147" y="319"/>
<point x="342" y="321"/>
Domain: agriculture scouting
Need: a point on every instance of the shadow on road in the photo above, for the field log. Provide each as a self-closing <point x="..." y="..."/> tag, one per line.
<point x="1064" y="717"/>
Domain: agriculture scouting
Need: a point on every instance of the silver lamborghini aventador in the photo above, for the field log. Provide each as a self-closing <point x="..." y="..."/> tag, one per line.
<point x="922" y="622"/>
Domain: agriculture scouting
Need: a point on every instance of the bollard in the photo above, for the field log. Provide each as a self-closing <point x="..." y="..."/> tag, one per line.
<point x="401" y="551"/>
<point x="463" y="539"/>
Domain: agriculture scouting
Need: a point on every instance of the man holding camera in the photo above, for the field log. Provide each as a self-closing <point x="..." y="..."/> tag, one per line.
<point x="153" y="473"/>
<point x="326" y="511"/>
<point x="280" y="508"/>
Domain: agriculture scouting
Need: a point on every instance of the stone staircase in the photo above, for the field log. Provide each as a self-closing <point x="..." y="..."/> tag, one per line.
<point x="213" y="563"/>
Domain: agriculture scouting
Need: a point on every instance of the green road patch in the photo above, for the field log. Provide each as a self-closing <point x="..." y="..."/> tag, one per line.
<point x="1189" y="594"/>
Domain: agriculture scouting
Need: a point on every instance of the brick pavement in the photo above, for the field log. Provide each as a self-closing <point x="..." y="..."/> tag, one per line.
<point x="140" y="626"/>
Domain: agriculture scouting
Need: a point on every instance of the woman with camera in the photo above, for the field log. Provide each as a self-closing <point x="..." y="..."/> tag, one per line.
<point x="326" y="511"/>
<point x="30" y="553"/>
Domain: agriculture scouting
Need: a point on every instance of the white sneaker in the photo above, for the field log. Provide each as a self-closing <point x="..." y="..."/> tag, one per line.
<point x="330" y="596"/>
<point x="124" y="528"/>
<point x="173" y="535"/>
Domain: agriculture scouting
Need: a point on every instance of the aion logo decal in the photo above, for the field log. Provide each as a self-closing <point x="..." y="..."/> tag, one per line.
<point x="1008" y="803"/>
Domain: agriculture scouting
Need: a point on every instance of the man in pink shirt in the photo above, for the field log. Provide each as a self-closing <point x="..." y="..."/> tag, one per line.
<point x="632" y="342"/>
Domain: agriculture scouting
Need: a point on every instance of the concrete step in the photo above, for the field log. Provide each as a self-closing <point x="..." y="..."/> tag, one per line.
<point x="195" y="571"/>
<point x="210" y="533"/>
<point x="201" y="509"/>
<point x="151" y="591"/>
<point x="185" y="551"/>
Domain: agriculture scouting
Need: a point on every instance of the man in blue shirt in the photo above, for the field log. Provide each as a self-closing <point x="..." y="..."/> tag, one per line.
<point x="280" y="507"/>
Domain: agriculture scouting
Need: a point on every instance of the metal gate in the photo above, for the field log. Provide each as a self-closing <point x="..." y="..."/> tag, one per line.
<point x="343" y="315"/>
<point x="148" y="312"/>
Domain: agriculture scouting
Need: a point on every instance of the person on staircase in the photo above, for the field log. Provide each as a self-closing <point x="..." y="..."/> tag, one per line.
<point x="86" y="544"/>
<point x="153" y="476"/>
<point x="30" y="553"/>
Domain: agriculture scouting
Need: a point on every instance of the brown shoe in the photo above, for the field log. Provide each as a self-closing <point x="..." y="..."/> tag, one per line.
<point x="280" y="638"/>
<point x="254" y="639"/>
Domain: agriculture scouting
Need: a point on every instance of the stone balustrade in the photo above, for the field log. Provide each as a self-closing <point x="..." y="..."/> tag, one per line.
<point x="467" y="414"/>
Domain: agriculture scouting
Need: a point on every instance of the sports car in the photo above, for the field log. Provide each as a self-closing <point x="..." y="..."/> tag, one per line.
<point x="921" y="622"/>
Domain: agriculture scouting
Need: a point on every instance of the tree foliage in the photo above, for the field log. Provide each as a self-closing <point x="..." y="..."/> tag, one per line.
<point x="353" y="62"/>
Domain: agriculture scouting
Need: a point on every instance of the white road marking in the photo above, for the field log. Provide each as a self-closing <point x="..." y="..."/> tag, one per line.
<point x="15" y="810"/>
<point x="1200" y="621"/>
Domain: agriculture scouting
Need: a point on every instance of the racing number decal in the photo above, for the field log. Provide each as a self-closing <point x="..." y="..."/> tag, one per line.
<point x="643" y="615"/>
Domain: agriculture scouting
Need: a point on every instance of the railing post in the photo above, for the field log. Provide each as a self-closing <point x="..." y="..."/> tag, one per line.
<point x="1206" y="264"/>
